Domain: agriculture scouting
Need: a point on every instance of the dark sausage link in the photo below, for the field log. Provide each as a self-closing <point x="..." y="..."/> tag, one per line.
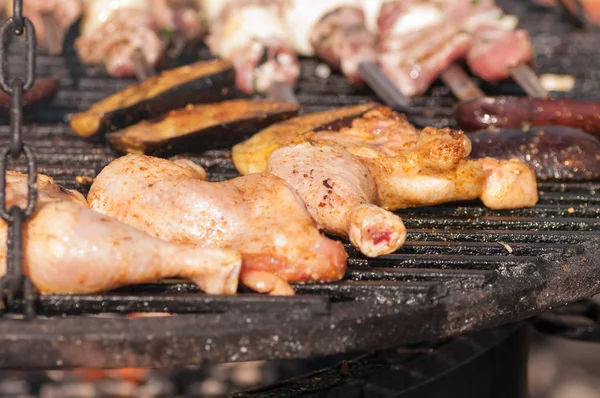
<point x="515" y="112"/>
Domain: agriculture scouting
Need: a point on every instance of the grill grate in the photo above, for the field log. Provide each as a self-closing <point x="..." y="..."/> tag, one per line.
<point x="463" y="268"/>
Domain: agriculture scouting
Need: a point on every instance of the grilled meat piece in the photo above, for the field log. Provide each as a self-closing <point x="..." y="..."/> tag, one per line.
<point x="71" y="249"/>
<point x="51" y="18"/>
<point x="554" y="152"/>
<point x="191" y="84"/>
<point x="201" y="126"/>
<point x="180" y="19"/>
<point x="259" y="215"/>
<point x="116" y="33"/>
<point x="382" y="160"/>
<point x="334" y="30"/>
<point x="251" y="155"/>
<point x="251" y="34"/>
<point x="515" y="112"/>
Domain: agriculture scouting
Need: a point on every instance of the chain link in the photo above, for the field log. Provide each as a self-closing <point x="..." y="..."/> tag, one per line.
<point x="14" y="281"/>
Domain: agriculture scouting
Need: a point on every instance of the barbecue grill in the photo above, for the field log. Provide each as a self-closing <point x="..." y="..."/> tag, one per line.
<point x="464" y="268"/>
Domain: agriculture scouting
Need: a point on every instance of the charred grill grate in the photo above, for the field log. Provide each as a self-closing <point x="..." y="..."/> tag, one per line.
<point x="463" y="268"/>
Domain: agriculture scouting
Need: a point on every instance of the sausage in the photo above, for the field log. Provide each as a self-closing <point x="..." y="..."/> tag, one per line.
<point x="515" y="112"/>
<point x="554" y="152"/>
<point x="43" y="92"/>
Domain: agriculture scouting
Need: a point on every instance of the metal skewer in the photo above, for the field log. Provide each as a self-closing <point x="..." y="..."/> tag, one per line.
<point x="382" y="86"/>
<point x="528" y="81"/>
<point x="282" y="91"/>
<point x="53" y="33"/>
<point x="142" y="69"/>
<point x="460" y="83"/>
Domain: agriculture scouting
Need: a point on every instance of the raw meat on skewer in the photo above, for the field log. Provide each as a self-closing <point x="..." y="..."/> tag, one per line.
<point x="252" y="36"/>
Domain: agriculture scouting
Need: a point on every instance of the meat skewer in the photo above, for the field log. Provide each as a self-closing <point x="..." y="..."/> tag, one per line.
<point x="121" y="35"/>
<point x="251" y="34"/>
<point x="51" y="18"/>
<point x="437" y="34"/>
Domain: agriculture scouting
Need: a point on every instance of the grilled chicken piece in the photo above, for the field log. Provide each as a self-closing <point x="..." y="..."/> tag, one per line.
<point x="251" y="34"/>
<point x="259" y="215"/>
<point x="116" y="33"/>
<point x="381" y="160"/>
<point x="51" y="18"/>
<point x="71" y="249"/>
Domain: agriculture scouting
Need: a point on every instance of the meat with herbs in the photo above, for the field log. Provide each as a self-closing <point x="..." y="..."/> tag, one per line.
<point x="259" y="215"/>
<point x="554" y="152"/>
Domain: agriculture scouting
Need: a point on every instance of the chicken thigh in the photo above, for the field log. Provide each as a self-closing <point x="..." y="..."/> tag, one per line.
<point x="381" y="160"/>
<point x="70" y="249"/>
<point x="259" y="215"/>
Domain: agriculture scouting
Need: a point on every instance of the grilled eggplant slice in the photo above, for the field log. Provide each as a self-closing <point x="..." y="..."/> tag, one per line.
<point x="201" y="82"/>
<point x="554" y="152"/>
<point x="198" y="127"/>
<point x="43" y="92"/>
<point x="251" y="156"/>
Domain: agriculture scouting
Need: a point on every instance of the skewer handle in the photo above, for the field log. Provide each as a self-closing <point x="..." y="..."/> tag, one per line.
<point x="528" y="81"/>
<point x="460" y="83"/>
<point x="142" y="70"/>
<point x="282" y="91"/>
<point x="53" y="33"/>
<point x="382" y="86"/>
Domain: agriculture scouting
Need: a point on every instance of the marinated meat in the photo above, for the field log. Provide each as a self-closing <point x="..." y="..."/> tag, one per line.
<point x="72" y="249"/>
<point x="259" y="215"/>
<point x="381" y="160"/>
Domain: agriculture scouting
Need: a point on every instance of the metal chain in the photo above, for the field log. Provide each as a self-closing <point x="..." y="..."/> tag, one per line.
<point x="14" y="281"/>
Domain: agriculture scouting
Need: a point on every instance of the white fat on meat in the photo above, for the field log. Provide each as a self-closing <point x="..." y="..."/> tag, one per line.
<point x="419" y="16"/>
<point x="247" y="24"/>
<point x="372" y="8"/>
<point x="211" y="9"/>
<point x="301" y="16"/>
<point x="97" y="12"/>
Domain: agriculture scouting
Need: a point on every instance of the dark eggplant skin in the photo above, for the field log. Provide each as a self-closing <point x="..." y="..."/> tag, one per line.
<point x="201" y="127"/>
<point x="202" y="82"/>
<point x="515" y="112"/>
<point x="43" y="92"/>
<point x="554" y="152"/>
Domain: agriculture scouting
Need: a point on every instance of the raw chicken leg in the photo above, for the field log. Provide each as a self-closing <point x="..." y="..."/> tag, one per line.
<point x="259" y="215"/>
<point x="382" y="160"/>
<point x="71" y="249"/>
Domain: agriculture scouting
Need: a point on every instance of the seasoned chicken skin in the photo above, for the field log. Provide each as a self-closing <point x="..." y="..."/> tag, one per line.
<point x="259" y="215"/>
<point x="381" y="160"/>
<point x="69" y="248"/>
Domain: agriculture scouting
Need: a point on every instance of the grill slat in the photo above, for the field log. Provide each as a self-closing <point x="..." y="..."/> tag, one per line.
<point x="464" y="267"/>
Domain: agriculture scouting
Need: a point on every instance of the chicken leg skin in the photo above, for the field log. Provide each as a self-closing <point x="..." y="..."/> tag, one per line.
<point x="70" y="249"/>
<point x="341" y="195"/>
<point x="259" y="215"/>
